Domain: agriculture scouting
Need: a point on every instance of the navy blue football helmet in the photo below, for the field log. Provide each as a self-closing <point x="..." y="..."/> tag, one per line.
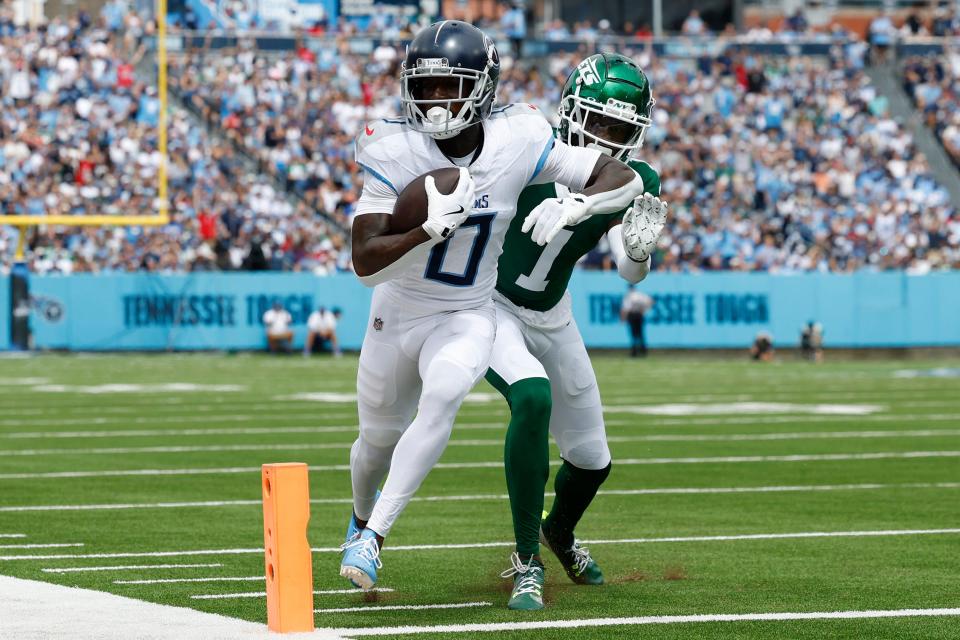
<point x="449" y="49"/>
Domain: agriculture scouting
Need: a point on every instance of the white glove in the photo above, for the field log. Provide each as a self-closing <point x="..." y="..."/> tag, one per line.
<point x="642" y="225"/>
<point x="447" y="212"/>
<point x="553" y="214"/>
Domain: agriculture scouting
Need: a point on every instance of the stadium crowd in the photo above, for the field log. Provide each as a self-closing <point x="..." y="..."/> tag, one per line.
<point x="78" y="136"/>
<point x="783" y="164"/>
<point x="934" y="85"/>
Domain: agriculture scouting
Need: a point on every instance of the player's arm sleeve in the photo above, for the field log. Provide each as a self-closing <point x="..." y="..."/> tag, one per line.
<point x="628" y="268"/>
<point x="378" y="194"/>
<point x="570" y="166"/>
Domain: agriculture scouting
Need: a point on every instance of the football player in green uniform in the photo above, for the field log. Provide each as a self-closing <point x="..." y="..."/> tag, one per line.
<point x="539" y="362"/>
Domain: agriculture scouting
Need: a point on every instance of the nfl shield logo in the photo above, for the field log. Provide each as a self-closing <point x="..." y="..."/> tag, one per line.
<point x="378" y="324"/>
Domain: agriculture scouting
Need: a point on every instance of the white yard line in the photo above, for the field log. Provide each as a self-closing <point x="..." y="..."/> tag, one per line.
<point x="147" y="433"/>
<point x="497" y="496"/>
<point x="906" y="418"/>
<point x="178" y="580"/>
<point x="57" y="545"/>
<point x="467" y="426"/>
<point x="635" y="621"/>
<point x="167" y="433"/>
<point x="120" y="506"/>
<point x="406" y="607"/>
<point x="707" y="437"/>
<point x="13" y="535"/>
<point x="136" y="567"/>
<point x="188" y="417"/>
<point x="263" y="594"/>
<point x="796" y="435"/>
<point x="8" y="453"/>
<point x="884" y="455"/>
<point x="485" y="545"/>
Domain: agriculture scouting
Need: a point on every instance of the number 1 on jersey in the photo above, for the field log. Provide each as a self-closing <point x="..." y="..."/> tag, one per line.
<point x="537" y="280"/>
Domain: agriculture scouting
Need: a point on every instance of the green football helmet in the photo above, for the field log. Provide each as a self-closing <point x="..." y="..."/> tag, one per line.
<point x="606" y="104"/>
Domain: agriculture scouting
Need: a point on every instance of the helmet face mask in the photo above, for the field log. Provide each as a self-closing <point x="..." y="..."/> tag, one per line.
<point x="444" y="117"/>
<point x="463" y="56"/>
<point x="606" y="105"/>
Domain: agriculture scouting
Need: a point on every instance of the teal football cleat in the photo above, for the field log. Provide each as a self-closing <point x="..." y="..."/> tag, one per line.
<point x="353" y="530"/>
<point x="361" y="559"/>
<point x="528" y="581"/>
<point x="576" y="560"/>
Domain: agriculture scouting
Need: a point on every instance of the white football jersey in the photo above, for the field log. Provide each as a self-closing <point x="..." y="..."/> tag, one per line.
<point x="518" y="149"/>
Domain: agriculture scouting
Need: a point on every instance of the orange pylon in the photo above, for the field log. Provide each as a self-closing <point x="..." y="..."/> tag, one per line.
<point x="289" y="570"/>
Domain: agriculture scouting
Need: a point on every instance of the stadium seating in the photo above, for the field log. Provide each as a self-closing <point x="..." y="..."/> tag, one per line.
<point x="79" y="136"/>
<point x="781" y="164"/>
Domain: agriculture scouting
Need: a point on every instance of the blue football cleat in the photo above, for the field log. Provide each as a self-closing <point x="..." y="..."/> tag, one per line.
<point x="352" y="529"/>
<point x="361" y="559"/>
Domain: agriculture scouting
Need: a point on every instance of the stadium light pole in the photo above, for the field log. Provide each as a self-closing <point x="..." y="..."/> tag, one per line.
<point x="658" y="18"/>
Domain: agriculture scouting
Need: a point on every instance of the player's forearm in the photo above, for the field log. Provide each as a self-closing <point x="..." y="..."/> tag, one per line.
<point x="395" y="268"/>
<point x="628" y="268"/>
<point x="374" y="250"/>
<point x="612" y="187"/>
<point x="376" y="254"/>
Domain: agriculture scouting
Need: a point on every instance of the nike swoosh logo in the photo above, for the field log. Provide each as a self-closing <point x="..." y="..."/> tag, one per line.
<point x="368" y="130"/>
<point x="453" y="213"/>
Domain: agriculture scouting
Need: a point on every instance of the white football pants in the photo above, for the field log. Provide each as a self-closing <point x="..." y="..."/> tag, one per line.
<point x="576" y="421"/>
<point x="415" y="370"/>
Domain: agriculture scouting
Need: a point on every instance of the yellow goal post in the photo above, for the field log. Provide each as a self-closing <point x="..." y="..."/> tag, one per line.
<point x="161" y="217"/>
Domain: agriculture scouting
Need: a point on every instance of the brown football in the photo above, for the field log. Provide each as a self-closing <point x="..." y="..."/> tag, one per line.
<point x="410" y="209"/>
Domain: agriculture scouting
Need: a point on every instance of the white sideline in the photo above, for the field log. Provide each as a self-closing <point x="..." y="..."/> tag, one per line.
<point x="178" y="580"/>
<point x="32" y="610"/>
<point x="77" y="614"/>
<point x="884" y="455"/>
<point x="263" y="594"/>
<point x="496" y="442"/>
<point x="405" y="607"/>
<point x="127" y="567"/>
<point x="637" y="620"/>
<point x="485" y="545"/>
<point x="499" y="496"/>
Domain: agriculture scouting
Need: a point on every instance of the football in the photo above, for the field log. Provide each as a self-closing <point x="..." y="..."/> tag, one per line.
<point x="410" y="210"/>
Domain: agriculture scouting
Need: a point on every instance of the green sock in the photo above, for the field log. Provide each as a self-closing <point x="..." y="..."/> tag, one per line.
<point x="526" y="456"/>
<point x="575" y="489"/>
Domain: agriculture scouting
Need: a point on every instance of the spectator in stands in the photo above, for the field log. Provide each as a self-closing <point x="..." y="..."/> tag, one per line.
<point x="693" y="24"/>
<point x="277" y="321"/>
<point x="513" y="22"/>
<point x="635" y="306"/>
<point x="882" y="37"/>
<point x="785" y="164"/>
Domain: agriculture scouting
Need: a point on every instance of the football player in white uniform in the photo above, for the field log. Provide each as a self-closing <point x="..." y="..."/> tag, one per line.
<point x="432" y="319"/>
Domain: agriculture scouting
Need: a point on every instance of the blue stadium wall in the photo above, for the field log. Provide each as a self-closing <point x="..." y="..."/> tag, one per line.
<point x="223" y="311"/>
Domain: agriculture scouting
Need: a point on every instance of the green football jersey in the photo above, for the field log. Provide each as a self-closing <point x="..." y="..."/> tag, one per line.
<point x="536" y="277"/>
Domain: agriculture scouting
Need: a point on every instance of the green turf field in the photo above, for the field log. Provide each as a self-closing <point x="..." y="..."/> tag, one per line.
<point x="157" y="471"/>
